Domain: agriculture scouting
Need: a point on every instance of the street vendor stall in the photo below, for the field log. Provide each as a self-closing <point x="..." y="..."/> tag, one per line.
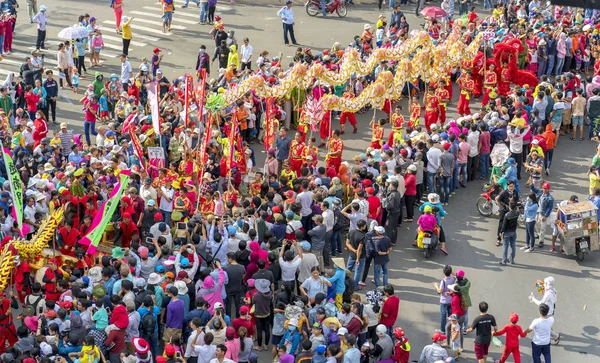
<point x="578" y="228"/>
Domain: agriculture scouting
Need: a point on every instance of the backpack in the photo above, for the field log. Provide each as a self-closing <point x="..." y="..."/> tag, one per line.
<point x="349" y="283"/>
<point x="148" y="324"/>
<point x="370" y="247"/>
<point x="31" y="309"/>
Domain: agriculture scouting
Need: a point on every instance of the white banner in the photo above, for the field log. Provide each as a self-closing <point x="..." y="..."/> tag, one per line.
<point x="156" y="153"/>
<point x="153" y="100"/>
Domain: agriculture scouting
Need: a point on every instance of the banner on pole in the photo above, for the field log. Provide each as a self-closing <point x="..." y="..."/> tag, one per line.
<point x="104" y="215"/>
<point x="16" y="187"/>
<point x="189" y="95"/>
<point x="153" y="100"/>
<point x="156" y="153"/>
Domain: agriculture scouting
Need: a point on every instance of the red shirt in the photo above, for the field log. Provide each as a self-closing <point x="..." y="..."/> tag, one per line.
<point x="374" y="204"/>
<point x="455" y="304"/>
<point x="389" y="311"/>
<point x="238" y="322"/>
<point x="31" y="99"/>
<point x="89" y="116"/>
<point x="513" y="332"/>
<point x="69" y="237"/>
<point x="484" y="140"/>
<point x="118" y="338"/>
<point x="410" y="183"/>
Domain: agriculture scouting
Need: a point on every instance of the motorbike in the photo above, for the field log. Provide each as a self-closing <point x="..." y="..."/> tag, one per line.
<point x="486" y="204"/>
<point x="313" y="8"/>
<point x="430" y="242"/>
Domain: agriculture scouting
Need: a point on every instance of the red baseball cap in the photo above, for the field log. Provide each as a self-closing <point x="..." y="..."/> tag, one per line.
<point x="514" y="318"/>
<point x="169" y="350"/>
<point x="437" y="336"/>
<point x="156" y="50"/>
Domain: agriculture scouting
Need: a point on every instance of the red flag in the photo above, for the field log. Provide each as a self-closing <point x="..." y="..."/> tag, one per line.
<point x="206" y="140"/>
<point x="189" y="93"/>
<point x="200" y="93"/>
<point x="270" y="122"/>
<point x="137" y="148"/>
<point x="234" y="130"/>
<point x="129" y="123"/>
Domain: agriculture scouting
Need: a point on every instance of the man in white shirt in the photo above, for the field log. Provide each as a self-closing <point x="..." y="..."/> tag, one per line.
<point x="286" y="14"/>
<point x="28" y="135"/>
<point x="246" y="52"/>
<point x="220" y="353"/>
<point x="166" y="194"/>
<point x="473" y="160"/>
<point x="289" y="264"/>
<point x="433" y="165"/>
<point x="125" y="72"/>
<point x="541" y="328"/>
<point x="41" y="19"/>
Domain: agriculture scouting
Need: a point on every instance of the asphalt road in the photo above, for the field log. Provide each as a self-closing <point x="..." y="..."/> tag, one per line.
<point x="470" y="236"/>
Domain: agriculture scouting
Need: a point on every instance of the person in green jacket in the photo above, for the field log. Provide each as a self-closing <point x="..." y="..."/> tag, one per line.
<point x="6" y="104"/>
<point x="98" y="84"/>
<point x="464" y="285"/>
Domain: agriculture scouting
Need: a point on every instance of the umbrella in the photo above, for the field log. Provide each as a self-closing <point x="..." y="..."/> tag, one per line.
<point x="73" y="32"/>
<point x="434" y="12"/>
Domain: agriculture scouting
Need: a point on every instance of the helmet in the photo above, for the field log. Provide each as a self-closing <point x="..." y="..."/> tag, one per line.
<point x="398" y="333"/>
<point x="381" y="329"/>
<point x="144" y="68"/>
<point x="546" y="185"/>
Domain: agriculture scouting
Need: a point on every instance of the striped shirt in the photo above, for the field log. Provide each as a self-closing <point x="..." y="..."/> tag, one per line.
<point x="66" y="141"/>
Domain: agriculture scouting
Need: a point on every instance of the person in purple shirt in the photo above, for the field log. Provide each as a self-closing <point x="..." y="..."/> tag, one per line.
<point x="156" y="58"/>
<point x="175" y="314"/>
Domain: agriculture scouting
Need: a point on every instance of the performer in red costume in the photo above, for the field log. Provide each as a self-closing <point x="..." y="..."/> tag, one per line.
<point x="7" y="327"/>
<point x="324" y="128"/>
<point x="466" y="91"/>
<point x="378" y="131"/>
<point x="336" y="147"/>
<point x="348" y="116"/>
<point x="432" y="104"/>
<point x="397" y="121"/>
<point x="296" y="152"/>
<point x="491" y="82"/>
<point x="505" y="55"/>
<point x="478" y="73"/>
<point x="51" y="276"/>
<point x="443" y="97"/>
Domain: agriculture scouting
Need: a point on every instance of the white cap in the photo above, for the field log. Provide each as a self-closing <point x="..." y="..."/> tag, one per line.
<point x="293" y="322"/>
<point x="218" y="305"/>
<point x="342" y="331"/>
<point x="380" y="229"/>
<point x="381" y="329"/>
<point x="435" y="138"/>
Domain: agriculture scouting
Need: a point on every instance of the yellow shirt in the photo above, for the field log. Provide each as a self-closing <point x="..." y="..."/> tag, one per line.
<point x="126" y="29"/>
<point x="519" y="122"/>
<point x="538" y="149"/>
<point x="55" y="141"/>
<point x="594" y="182"/>
<point x="89" y="354"/>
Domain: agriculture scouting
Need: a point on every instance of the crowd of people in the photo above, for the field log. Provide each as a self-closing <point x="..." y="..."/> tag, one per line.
<point x="217" y="261"/>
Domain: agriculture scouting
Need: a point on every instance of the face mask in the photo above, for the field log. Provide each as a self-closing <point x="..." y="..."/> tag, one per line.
<point x="292" y="328"/>
<point x="201" y="51"/>
<point x="38" y="116"/>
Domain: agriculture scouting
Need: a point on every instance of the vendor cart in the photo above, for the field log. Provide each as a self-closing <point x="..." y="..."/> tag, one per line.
<point x="577" y="226"/>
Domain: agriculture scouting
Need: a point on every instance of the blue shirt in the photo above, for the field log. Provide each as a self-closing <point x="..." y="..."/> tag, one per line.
<point x="596" y="202"/>
<point x="283" y="148"/>
<point x="286" y="13"/>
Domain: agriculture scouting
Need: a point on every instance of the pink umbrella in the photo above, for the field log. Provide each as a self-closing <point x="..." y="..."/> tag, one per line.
<point x="434" y="12"/>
